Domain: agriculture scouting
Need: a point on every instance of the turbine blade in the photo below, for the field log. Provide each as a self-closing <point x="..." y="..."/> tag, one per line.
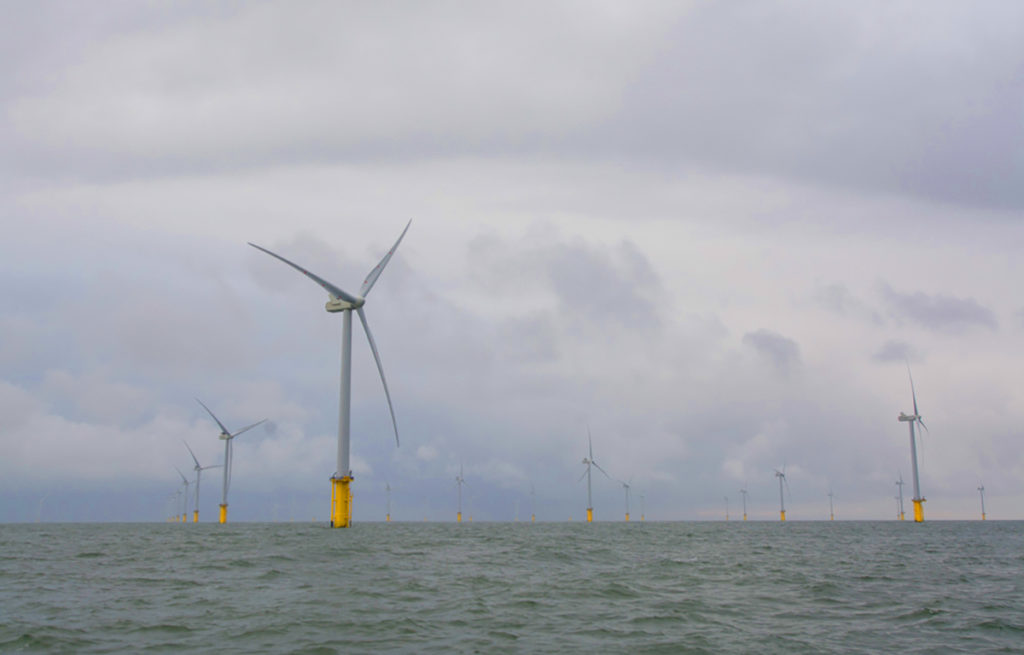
<point x="371" y="278"/>
<point x="922" y="423"/>
<point x="193" y="455"/>
<point x="583" y="475"/>
<point x="602" y="470"/>
<point x="211" y="466"/>
<point x="183" y="478"/>
<point x="335" y="292"/>
<point x="590" y="443"/>
<point x="380" y="367"/>
<point x="912" y="392"/>
<point x="247" y="428"/>
<point x="223" y="429"/>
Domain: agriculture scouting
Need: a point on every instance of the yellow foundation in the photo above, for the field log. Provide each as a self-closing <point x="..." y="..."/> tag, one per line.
<point x="918" y="510"/>
<point x="902" y="516"/>
<point x="341" y="502"/>
<point x="983" y="516"/>
<point x="782" y="515"/>
<point x="223" y="513"/>
<point x="458" y="517"/>
<point x="627" y="517"/>
<point x="590" y="515"/>
<point x="744" y="517"/>
<point x="532" y="518"/>
<point x="195" y="516"/>
<point x="387" y="519"/>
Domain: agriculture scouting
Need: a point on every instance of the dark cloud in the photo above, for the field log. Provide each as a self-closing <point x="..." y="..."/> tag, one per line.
<point x="940" y="312"/>
<point x="782" y="352"/>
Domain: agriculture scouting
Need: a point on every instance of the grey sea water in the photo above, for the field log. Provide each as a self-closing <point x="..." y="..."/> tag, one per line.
<point x="841" y="587"/>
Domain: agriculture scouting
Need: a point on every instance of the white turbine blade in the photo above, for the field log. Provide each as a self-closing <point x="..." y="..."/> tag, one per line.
<point x="371" y="278"/>
<point x="247" y="428"/>
<point x="602" y="470"/>
<point x="223" y="429"/>
<point x="583" y="475"/>
<point x="193" y="455"/>
<point x="912" y="393"/>
<point x="380" y="368"/>
<point x="211" y="466"/>
<point x="183" y="479"/>
<point x="333" y="291"/>
<point x="590" y="443"/>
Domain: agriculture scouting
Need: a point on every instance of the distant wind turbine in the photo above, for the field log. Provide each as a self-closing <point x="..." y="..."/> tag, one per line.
<point x="899" y="485"/>
<point x="459" y="480"/>
<point x="198" y="469"/>
<point x="590" y="461"/>
<point x="981" y="490"/>
<point x="341" y="301"/>
<point x="228" y="438"/>
<point x="626" y="486"/>
<point x="642" y="519"/>
<point x="726" y="508"/>
<point x="184" y="505"/>
<point x="781" y="475"/>
<point x="387" y="489"/>
<point x="743" y="492"/>
<point x="831" y="514"/>
<point x="912" y="419"/>
<point x="533" y="504"/>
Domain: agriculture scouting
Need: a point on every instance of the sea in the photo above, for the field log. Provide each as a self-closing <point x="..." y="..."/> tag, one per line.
<point x="573" y="587"/>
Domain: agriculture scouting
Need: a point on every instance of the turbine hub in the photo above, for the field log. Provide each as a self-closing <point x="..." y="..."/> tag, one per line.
<point x="339" y="305"/>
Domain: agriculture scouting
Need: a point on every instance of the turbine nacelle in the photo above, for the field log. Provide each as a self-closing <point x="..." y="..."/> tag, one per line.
<point x="340" y="305"/>
<point x="908" y="417"/>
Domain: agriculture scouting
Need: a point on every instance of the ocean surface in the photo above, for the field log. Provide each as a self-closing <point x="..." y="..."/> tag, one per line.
<point x="727" y="587"/>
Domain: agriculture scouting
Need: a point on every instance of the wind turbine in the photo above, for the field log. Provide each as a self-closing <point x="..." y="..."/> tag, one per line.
<point x="911" y="419"/>
<point x="533" y="504"/>
<point x="726" y="508"/>
<point x="340" y="301"/>
<point x="831" y="514"/>
<point x="459" y="480"/>
<point x="387" y="489"/>
<point x="642" y="518"/>
<point x="184" y="505"/>
<point x="899" y="484"/>
<point x="590" y="461"/>
<point x="625" y="485"/>
<point x="781" y="475"/>
<point x="228" y="438"/>
<point x="981" y="490"/>
<point x="743" y="492"/>
<point x="198" y="469"/>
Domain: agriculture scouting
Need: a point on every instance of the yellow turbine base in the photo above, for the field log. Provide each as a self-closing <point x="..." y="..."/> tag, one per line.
<point x="902" y="516"/>
<point x="744" y="517"/>
<point x="782" y="515"/>
<point x="533" y="518"/>
<point x="184" y="517"/>
<point x="341" y="502"/>
<point x="590" y="515"/>
<point x="223" y="513"/>
<point x="195" y="516"/>
<point x="983" y="516"/>
<point x="918" y="510"/>
<point x="627" y="517"/>
<point x="387" y="519"/>
<point x="642" y="518"/>
<point x="458" y="517"/>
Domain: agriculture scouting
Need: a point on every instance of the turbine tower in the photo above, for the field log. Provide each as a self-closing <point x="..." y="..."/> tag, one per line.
<point x="184" y="504"/>
<point x="198" y="469"/>
<point x="981" y="490"/>
<point x="781" y="475"/>
<point x="831" y="514"/>
<point x="590" y="461"/>
<point x="899" y="484"/>
<point x="340" y="301"/>
<point x="228" y="438"/>
<point x="625" y="485"/>
<point x="743" y="492"/>
<point x="911" y="419"/>
<point x="642" y="519"/>
<point x="459" y="480"/>
<point x="387" y="489"/>
<point x="726" y="508"/>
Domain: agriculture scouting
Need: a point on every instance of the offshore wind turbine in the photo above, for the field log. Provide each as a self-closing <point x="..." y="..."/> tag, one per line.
<point x="913" y="419"/>
<point x="459" y="481"/>
<point x="743" y="492"/>
<point x="184" y="505"/>
<point x="899" y="484"/>
<point x="726" y="508"/>
<point x="625" y="485"/>
<point x="981" y="490"/>
<point x="781" y="475"/>
<point x="228" y="438"/>
<point x="831" y="514"/>
<point x="590" y="461"/>
<point x="642" y="519"/>
<point x="341" y="301"/>
<point x="387" y="489"/>
<point x="198" y="469"/>
<point x="533" y="504"/>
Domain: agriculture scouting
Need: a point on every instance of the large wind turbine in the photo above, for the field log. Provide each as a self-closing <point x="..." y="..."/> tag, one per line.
<point x="387" y="489"/>
<point x="184" y="504"/>
<point x="340" y="301"/>
<point x="743" y="492"/>
<point x="899" y="484"/>
<point x="981" y="490"/>
<point x="228" y="438"/>
<point x="911" y="419"/>
<point x="626" y="486"/>
<point x="781" y="475"/>
<point x="198" y="469"/>
<point x="459" y="480"/>
<point x="590" y="461"/>
<point x="831" y="514"/>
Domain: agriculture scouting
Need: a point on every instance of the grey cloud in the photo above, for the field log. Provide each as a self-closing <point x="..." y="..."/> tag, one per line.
<point x="782" y="352"/>
<point x="940" y="312"/>
<point x="895" y="351"/>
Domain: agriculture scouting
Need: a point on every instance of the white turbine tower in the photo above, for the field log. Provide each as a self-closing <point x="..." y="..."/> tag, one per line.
<point x="831" y="514"/>
<point x="341" y="301"/>
<point x="533" y="504"/>
<point x="198" y="469"/>
<point x="387" y="489"/>
<point x="184" y="504"/>
<point x="626" y="486"/>
<point x="912" y="419"/>
<point x="459" y="481"/>
<point x="981" y="490"/>
<point x="899" y="484"/>
<point x="781" y="475"/>
<point x="726" y="507"/>
<point x="590" y="461"/>
<point x="642" y="517"/>
<point x="743" y="492"/>
<point x="228" y="438"/>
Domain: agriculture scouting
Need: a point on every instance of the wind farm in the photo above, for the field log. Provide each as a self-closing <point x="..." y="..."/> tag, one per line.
<point x="228" y="438"/>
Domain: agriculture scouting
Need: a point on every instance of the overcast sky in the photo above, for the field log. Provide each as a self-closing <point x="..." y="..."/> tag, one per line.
<point x="713" y="233"/>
